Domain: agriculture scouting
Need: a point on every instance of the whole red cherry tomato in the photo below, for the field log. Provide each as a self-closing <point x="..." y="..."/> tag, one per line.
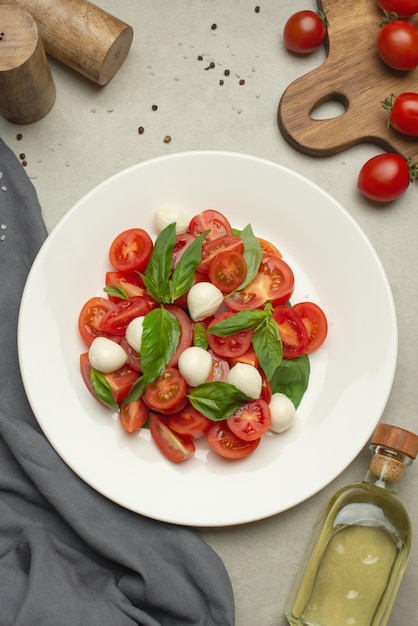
<point x="403" y="113"/>
<point x="402" y="8"/>
<point x="385" y="177"/>
<point x="397" y="45"/>
<point x="305" y="31"/>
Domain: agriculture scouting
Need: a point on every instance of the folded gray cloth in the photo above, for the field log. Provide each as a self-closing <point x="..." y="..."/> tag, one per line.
<point x="68" y="556"/>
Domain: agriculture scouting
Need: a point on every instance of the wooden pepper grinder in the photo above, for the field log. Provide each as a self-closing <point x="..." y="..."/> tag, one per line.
<point x="27" y="89"/>
<point x="81" y="35"/>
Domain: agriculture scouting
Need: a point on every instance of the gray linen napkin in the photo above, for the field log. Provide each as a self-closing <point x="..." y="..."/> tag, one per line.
<point x="68" y="556"/>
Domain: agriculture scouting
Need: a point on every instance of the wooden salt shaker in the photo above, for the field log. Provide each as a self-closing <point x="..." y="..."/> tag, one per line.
<point x="27" y="89"/>
<point x="81" y="35"/>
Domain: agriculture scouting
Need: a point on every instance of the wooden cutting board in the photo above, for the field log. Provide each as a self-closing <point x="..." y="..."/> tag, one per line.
<point x="353" y="75"/>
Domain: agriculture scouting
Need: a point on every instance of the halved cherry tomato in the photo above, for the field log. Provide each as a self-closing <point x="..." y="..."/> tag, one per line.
<point x="220" y="369"/>
<point x="305" y="31"/>
<point x="273" y="283"/>
<point x="183" y="241"/>
<point x="130" y="282"/>
<point x="397" y="45"/>
<point x="251" y="421"/>
<point x="268" y="248"/>
<point x="93" y="311"/>
<point x="120" y="381"/>
<point x="315" y="323"/>
<point x="225" y="443"/>
<point x="186" y="332"/>
<point x="266" y="390"/>
<point x="222" y="244"/>
<point x="167" y="391"/>
<point x="130" y="250"/>
<point x="134" y="358"/>
<point x="227" y="271"/>
<point x="211" y="220"/>
<point x="174" y="447"/>
<point x="384" y="177"/>
<point x="189" y="422"/>
<point x="292" y="331"/>
<point x="133" y="415"/>
<point x="231" y="346"/>
<point x="402" y="8"/>
<point x="117" y="320"/>
<point x="249" y="357"/>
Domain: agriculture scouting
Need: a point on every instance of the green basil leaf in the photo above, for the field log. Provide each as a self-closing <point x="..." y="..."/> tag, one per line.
<point x="160" y="338"/>
<point x="136" y="390"/>
<point x="252" y="255"/>
<point x="157" y="274"/>
<point x="243" y="320"/>
<point x="217" y="400"/>
<point x="117" y="292"/>
<point x="199" y="336"/>
<point x="184" y="272"/>
<point x="102" y="388"/>
<point x="268" y="346"/>
<point x="292" y="378"/>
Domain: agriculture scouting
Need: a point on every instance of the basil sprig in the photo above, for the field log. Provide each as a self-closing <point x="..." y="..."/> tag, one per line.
<point x="217" y="400"/>
<point x="266" y="337"/>
<point x="162" y="284"/>
<point x="292" y="378"/>
<point x="200" y="338"/>
<point x="116" y="292"/>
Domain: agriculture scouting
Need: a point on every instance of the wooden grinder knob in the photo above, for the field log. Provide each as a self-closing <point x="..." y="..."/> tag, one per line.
<point x="27" y="89"/>
<point x="82" y="35"/>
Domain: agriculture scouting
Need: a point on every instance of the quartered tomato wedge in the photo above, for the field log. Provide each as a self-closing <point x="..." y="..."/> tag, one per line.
<point x="210" y="249"/>
<point x="167" y="391"/>
<point x="117" y="320"/>
<point x="274" y="283"/>
<point x="174" y="447"/>
<point x="225" y="443"/>
<point x="251" y="421"/>
<point x="269" y="248"/>
<point x="130" y="250"/>
<point x="133" y="415"/>
<point x="231" y="346"/>
<point x="211" y="220"/>
<point x="189" y="422"/>
<point x="130" y="282"/>
<point x="227" y="271"/>
<point x="120" y="381"/>
<point x="292" y="331"/>
<point x="315" y="323"/>
<point x="91" y="315"/>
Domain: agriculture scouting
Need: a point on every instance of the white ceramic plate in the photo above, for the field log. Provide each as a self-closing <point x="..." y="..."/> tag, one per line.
<point x="351" y="375"/>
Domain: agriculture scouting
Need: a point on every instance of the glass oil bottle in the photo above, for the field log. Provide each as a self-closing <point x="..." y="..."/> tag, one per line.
<point x="355" y="568"/>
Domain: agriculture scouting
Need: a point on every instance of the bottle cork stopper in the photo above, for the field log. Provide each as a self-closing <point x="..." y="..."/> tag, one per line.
<point x="396" y="438"/>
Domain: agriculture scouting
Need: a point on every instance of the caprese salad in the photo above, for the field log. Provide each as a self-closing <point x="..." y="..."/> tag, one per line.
<point x="196" y="336"/>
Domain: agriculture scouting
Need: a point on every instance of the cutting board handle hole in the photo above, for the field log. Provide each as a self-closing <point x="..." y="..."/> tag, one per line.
<point x="329" y="107"/>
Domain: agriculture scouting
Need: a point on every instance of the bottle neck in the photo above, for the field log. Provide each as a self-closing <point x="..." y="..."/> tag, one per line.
<point x="386" y="467"/>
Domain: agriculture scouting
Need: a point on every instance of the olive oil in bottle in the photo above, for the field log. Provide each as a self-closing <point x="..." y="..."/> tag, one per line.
<point x="354" y="571"/>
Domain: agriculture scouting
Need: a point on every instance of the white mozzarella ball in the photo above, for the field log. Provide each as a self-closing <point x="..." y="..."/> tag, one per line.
<point x="203" y="299"/>
<point x="246" y="378"/>
<point x="282" y="411"/>
<point x="195" y="365"/>
<point x="106" y="355"/>
<point x="167" y="215"/>
<point x="133" y="333"/>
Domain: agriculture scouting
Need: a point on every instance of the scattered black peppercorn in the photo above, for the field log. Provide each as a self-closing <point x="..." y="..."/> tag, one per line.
<point x="214" y="27"/>
<point x="221" y="82"/>
<point x="24" y="163"/>
<point x="154" y="107"/>
<point x="200" y="58"/>
<point x="257" y="9"/>
<point x="167" y="139"/>
<point x="19" y="136"/>
<point x="22" y="155"/>
<point x="227" y="72"/>
<point x="242" y="81"/>
<point x="141" y="130"/>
